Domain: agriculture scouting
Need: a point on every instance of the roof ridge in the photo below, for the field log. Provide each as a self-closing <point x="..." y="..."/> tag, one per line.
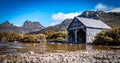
<point x="93" y="23"/>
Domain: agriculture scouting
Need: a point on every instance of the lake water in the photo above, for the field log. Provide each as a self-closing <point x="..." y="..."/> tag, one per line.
<point x="46" y="47"/>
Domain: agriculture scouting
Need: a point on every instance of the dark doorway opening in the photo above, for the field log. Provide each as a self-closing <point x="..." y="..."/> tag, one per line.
<point x="81" y="36"/>
<point x="71" y="36"/>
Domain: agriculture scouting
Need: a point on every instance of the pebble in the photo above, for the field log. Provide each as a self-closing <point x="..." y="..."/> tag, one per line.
<point x="96" y="56"/>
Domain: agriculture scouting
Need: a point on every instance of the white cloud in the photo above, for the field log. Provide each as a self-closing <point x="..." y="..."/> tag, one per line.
<point x="17" y="25"/>
<point x="104" y="7"/>
<point x="115" y="10"/>
<point x="60" y="16"/>
<point x="101" y="6"/>
<point x="54" y="23"/>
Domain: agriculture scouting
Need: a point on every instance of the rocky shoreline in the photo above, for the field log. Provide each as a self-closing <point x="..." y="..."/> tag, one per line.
<point x="83" y="56"/>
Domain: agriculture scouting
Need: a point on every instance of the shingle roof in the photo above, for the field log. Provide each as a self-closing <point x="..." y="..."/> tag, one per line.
<point x="93" y="23"/>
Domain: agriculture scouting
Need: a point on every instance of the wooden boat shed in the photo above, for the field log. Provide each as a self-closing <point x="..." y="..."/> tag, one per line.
<point x="83" y="30"/>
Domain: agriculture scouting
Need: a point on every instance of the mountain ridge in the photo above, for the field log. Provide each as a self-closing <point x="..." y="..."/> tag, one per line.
<point x="110" y="18"/>
<point x="27" y="27"/>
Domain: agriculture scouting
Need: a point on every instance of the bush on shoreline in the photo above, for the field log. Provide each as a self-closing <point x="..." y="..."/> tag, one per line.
<point x="33" y="38"/>
<point x="41" y="38"/>
<point x="108" y="37"/>
<point x="56" y="36"/>
<point x="11" y="37"/>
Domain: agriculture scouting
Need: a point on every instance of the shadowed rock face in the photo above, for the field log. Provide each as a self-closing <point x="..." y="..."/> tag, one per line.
<point x="32" y="26"/>
<point x="6" y="23"/>
<point x="27" y="27"/>
<point x="91" y="14"/>
<point x="29" y="24"/>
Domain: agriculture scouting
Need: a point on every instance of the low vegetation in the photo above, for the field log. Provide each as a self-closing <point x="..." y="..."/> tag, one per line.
<point x="33" y="38"/>
<point x="56" y="36"/>
<point x="108" y="37"/>
<point x="11" y="37"/>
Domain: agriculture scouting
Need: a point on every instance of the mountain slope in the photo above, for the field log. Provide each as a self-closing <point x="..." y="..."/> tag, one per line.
<point x="29" y="26"/>
<point x="110" y="18"/>
<point x="26" y="28"/>
<point x="6" y="26"/>
<point x="59" y="27"/>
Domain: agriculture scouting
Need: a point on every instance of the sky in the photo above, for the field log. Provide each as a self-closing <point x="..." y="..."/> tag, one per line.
<point x="50" y="12"/>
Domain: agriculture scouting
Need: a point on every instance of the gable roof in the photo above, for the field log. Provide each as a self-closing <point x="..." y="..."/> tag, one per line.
<point x="93" y="23"/>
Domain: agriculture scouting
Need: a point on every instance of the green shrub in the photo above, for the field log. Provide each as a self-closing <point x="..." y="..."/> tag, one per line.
<point x="10" y="37"/>
<point x="60" y="39"/>
<point x="41" y="38"/>
<point x="51" y="35"/>
<point x="14" y="37"/>
<point x="110" y="37"/>
<point x="29" y="38"/>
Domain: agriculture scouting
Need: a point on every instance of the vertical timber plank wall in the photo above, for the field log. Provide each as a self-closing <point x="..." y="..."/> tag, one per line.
<point x="91" y="33"/>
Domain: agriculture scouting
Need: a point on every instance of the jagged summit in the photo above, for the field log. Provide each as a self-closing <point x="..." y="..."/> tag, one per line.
<point x="91" y="14"/>
<point x="6" y="23"/>
<point x="29" y="24"/>
<point x="27" y="27"/>
<point x="110" y="18"/>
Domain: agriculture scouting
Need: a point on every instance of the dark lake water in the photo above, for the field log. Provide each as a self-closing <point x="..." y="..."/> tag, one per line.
<point x="46" y="47"/>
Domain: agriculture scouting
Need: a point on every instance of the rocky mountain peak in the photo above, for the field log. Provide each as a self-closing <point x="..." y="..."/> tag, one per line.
<point x="29" y="24"/>
<point x="6" y="23"/>
<point x="27" y="27"/>
<point x="91" y="14"/>
<point x="32" y="26"/>
<point x="110" y="18"/>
